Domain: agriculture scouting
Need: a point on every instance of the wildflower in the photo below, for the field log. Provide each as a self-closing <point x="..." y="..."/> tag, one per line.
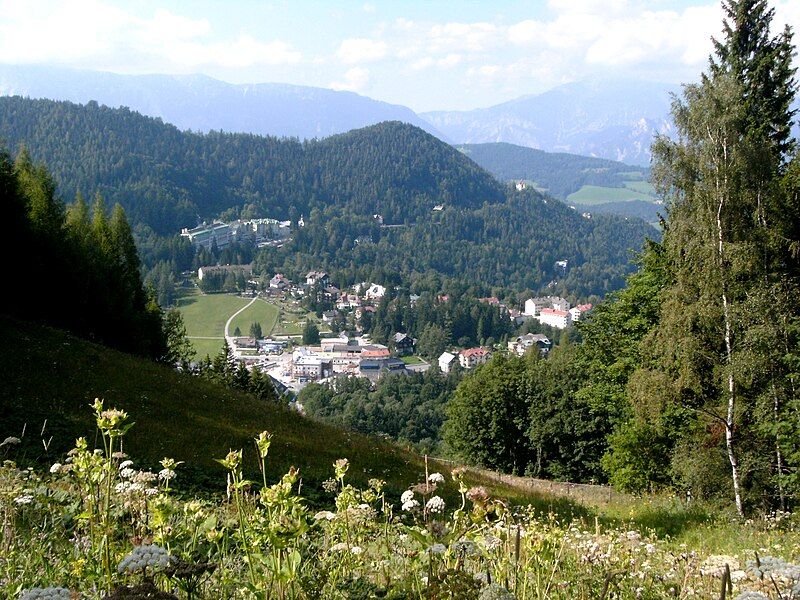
<point x="50" y="593"/>
<point x="492" y="542"/>
<point x="478" y="494"/>
<point x="494" y="591"/>
<point x="407" y="496"/>
<point x="10" y="441"/>
<point x="127" y="473"/>
<point x="435" y="505"/>
<point x="437" y="549"/>
<point x="466" y="547"/>
<point x="410" y="505"/>
<point x="151" y="491"/>
<point x="56" y="468"/>
<point x="356" y="550"/>
<point x="119" y="455"/>
<point x="325" y="514"/>
<point x="341" y="466"/>
<point x="330" y="485"/>
<point x="338" y="547"/>
<point x="263" y="442"/>
<point x="376" y="484"/>
<point x="24" y="499"/>
<point x="714" y="565"/>
<point x="145" y="557"/>
<point x="436" y="478"/>
<point x="125" y="464"/>
<point x="166" y="474"/>
<point x="766" y="565"/>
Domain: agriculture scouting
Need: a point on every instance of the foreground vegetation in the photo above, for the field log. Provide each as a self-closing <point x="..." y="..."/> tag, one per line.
<point x="96" y="525"/>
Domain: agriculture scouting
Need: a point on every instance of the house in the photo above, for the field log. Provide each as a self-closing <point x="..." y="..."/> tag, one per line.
<point x="375" y="351"/>
<point x="438" y="208"/>
<point x="373" y="368"/>
<point x="307" y="364"/>
<point x="446" y="362"/>
<point x="279" y="282"/>
<point x="317" y="277"/>
<point x="364" y="309"/>
<point x="534" y="305"/>
<point x="523" y="343"/>
<point x="375" y="292"/>
<point x="472" y="357"/>
<point x="329" y="315"/>
<point x="492" y="301"/>
<point x="245" y="343"/>
<point x="520" y="185"/>
<point x="348" y="301"/>
<point x="403" y="345"/>
<point x="554" y="318"/>
<point x="576" y="312"/>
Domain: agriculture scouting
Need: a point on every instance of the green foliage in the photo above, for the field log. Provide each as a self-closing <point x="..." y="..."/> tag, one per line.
<point x="255" y="331"/>
<point x="179" y="349"/>
<point x="92" y="263"/>
<point x="165" y="178"/>
<point x="409" y="409"/>
<point x="310" y="333"/>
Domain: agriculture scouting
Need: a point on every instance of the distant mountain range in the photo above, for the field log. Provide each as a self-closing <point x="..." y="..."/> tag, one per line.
<point x="605" y="118"/>
<point x="613" y="119"/>
<point x="201" y="103"/>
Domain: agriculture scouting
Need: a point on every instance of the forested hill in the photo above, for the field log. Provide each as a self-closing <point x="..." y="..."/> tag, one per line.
<point x="559" y="173"/>
<point x="167" y="178"/>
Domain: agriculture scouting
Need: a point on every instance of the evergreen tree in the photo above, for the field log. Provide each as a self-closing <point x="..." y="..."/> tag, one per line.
<point x="310" y="333"/>
<point x="255" y="331"/>
<point x="179" y="349"/>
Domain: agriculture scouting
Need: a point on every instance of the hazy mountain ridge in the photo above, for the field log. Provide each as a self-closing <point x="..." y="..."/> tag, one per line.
<point x="201" y="103"/>
<point x="614" y="119"/>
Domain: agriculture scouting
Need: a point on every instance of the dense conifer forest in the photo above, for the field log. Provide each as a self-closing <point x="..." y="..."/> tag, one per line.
<point x="167" y="179"/>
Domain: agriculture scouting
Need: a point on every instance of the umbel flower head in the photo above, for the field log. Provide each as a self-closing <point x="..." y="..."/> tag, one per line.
<point x="494" y="591"/>
<point x="435" y="505"/>
<point x="142" y="558"/>
<point x="50" y="593"/>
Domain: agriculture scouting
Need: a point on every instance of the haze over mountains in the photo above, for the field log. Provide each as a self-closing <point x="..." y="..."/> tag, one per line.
<point x="608" y="119"/>
<point x="201" y="103"/>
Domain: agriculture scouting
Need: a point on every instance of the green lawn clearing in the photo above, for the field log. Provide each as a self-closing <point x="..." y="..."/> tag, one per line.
<point x="261" y="312"/>
<point x="590" y="195"/>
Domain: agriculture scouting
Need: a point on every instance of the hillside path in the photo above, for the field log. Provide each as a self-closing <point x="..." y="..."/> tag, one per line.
<point x="234" y="315"/>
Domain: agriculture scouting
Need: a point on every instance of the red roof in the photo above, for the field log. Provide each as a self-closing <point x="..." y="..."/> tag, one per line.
<point x="474" y="352"/>
<point x="553" y="311"/>
<point x="584" y="307"/>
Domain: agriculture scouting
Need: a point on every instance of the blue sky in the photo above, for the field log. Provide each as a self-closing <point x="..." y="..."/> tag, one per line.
<point x="428" y="55"/>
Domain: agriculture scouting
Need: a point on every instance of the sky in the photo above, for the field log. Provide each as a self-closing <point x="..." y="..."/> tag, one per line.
<point x="427" y="55"/>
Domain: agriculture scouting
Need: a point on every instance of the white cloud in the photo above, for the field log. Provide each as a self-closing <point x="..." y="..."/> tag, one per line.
<point x="360" y="50"/>
<point x="90" y="32"/>
<point x="355" y="79"/>
<point x="422" y="63"/>
<point x="449" y="61"/>
<point x="475" y="37"/>
<point x="369" y="8"/>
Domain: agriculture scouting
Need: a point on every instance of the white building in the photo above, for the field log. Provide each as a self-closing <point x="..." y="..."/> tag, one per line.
<point x="554" y="318"/>
<point x="472" y="357"/>
<point x="446" y="362"/>
<point x="576" y="312"/>
<point x="375" y="292"/>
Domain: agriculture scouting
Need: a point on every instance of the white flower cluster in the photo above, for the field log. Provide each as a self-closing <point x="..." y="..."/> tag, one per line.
<point x="166" y="474"/>
<point x="56" y="468"/>
<point x="714" y="565"/>
<point x="435" y="505"/>
<point x="145" y="557"/>
<point x="340" y="547"/>
<point x="464" y="546"/>
<point x="494" y="591"/>
<point x="324" y="514"/>
<point x="437" y="549"/>
<point x="436" y="478"/>
<point x="50" y="593"/>
<point x="408" y="501"/>
<point x="771" y="565"/>
<point x="24" y="499"/>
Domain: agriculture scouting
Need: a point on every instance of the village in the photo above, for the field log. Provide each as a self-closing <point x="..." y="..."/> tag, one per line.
<point x="350" y="352"/>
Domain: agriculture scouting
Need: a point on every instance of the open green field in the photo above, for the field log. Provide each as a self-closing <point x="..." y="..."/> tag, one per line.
<point x="260" y="311"/>
<point x="205" y="316"/>
<point x="590" y="195"/>
<point x="643" y="187"/>
<point x="412" y="360"/>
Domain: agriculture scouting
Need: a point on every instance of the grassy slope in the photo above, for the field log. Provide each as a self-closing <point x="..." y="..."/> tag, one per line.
<point x="52" y="376"/>
<point x="592" y="194"/>
<point x="205" y="316"/>
<point x="259" y="312"/>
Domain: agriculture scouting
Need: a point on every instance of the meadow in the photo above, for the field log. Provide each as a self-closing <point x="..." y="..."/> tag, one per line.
<point x="591" y="195"/>
<point x="261" y="312"/>
<point x="97" y="525"/>
<point x="205" y="316"/>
